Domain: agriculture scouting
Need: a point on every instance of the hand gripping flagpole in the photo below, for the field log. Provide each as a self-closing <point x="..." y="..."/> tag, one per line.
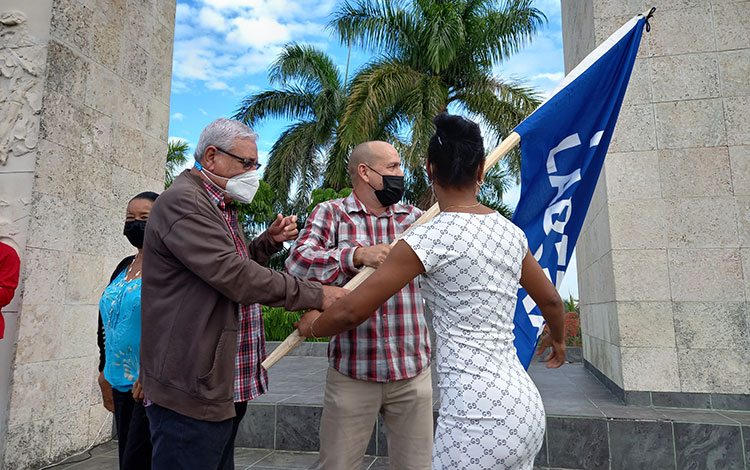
<point x="295" y="339"/>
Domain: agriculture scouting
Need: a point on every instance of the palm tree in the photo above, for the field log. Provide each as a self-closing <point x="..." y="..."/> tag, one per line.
<point x="176" y="158"/>
<point x="431" y="54"/>
<point x="310" y="93"/>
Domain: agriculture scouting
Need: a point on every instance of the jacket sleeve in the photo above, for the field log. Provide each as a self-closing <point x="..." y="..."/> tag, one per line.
<point x="315" y="255"/>
<point x="209" y="252"/>
<point x="9" y="270"/>
<point x="262" y="248"/>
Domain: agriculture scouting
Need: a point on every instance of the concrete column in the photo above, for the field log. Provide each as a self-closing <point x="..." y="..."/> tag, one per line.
<point x="664" y="254"/>
<point x="84" y="112"/>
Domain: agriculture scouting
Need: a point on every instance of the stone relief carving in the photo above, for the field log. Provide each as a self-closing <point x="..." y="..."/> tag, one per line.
<point x="21" y="63"/>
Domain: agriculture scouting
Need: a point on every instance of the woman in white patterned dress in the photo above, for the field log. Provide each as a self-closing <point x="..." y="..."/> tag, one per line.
<point x="471" y="260"/>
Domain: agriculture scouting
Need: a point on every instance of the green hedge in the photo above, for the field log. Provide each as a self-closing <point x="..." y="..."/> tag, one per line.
<point x="278" y="324"/>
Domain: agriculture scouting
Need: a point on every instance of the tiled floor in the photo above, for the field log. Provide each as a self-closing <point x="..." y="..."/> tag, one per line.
<point x="104" y="457"/>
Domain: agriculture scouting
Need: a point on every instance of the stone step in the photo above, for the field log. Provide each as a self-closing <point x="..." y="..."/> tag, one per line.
<point x="587" y="426"/>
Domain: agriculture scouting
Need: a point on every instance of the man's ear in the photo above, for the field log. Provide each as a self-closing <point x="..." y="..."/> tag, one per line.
<point x="363" y="173"/>
<point x="428" y="168"/>
<point x="209" y="158"/>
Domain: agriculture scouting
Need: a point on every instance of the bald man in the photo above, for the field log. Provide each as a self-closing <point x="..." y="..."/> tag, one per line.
<point x="382" y="366"/>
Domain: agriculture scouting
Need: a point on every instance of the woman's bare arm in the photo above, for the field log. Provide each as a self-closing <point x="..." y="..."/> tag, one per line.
<point x="401" y="266"/>
<point x="544" y="294"/>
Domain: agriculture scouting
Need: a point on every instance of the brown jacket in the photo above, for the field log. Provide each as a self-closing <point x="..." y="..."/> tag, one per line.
<point x="193" y="280"/>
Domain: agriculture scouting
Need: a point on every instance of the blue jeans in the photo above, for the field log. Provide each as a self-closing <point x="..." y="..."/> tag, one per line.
<point x="184" y="443"/>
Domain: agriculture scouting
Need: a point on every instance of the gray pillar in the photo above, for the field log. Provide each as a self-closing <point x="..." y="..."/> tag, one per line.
<point x="84" y="112"/>
<point x="664" y="254"/>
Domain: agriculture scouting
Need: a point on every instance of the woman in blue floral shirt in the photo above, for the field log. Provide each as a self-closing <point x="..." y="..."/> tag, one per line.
<point x="120" y="343"/>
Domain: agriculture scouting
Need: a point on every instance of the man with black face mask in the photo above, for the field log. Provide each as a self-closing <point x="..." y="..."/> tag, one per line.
<point x="382" y="366"/>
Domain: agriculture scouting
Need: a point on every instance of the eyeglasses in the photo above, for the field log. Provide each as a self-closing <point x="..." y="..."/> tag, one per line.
<point x="246" y="163"/>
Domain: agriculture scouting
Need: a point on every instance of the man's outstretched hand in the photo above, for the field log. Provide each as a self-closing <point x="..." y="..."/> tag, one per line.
<point x="283" y="229"/>
<point x="331" y="294"/>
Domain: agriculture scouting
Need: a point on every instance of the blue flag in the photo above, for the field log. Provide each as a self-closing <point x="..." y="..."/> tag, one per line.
<point x="563" y="144"/>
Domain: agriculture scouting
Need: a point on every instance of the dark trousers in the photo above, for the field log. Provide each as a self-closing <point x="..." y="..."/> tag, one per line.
<point x="181" y="442"/>
<point x="133" y="435"/>
<point x="227" y="457"/>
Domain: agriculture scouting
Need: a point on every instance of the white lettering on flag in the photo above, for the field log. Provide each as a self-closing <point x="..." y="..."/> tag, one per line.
<point x="595" y="140"/>
<point x="528" y="304"/>
<point x="567" y="143"/>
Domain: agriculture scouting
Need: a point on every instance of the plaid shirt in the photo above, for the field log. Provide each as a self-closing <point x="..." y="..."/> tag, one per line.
<point x="394" y="343"/>
<point x="250" y="379"/>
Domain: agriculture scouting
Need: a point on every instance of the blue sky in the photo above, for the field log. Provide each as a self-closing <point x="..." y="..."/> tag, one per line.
<point x="223" y="49"/>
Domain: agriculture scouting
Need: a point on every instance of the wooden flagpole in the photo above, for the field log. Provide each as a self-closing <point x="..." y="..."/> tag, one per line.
<point x="295" y="339"/>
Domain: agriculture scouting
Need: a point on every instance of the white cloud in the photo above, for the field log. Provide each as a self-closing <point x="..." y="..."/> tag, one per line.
<point x="212" y="19"/>
<point x="221" y="40"/>
<point x="258" y="32"/>
<point x="183" y="12"/>
<point x="203" y="111"/>
<point x="219" y="85"/>
<point x="554" y="77"/>
<point x="173" y="138"/>
<point x="178" y="116"/>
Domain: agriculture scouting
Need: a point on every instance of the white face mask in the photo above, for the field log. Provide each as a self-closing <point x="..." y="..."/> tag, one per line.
<point x="241" y="188"/>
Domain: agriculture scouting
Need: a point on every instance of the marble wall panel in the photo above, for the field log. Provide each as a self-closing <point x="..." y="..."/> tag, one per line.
<point x="650" y="369"/>
<point x="732" y="22"/>
<point x="739" y="158"/>
<point x="695" y="123"/>
<point x="620" y="171"/>
<point x="694" y="172"/>
<point x="676" y="31"/>
<point x="72" y="23"/>
<point x="645" y="324"/>
<point x="50" y="226"/>
<point x="637" y="224"/>
<point x="106" y="39"/>
<point x="102" y="91"/>
<point x="635" y="130"/>
<point x="66" y="433"/>
<point x="639" y="89"/>
<point x="28" y="444"/>
<point x="605" y="25"/>
<point x="706" y="275"/>
<point x="743" y="221"/>
<point x="33" y="396"/>
<point x="84" y="280"/>
<point x="39" y="333"/>
<point x="735" y="68"/>
<point x="641" y="275"/>
<point x="78" y="329"/>
<point x="44" y="276"/>
<point x="702" y="223"/>
<point x="68" y="71"/>
<point x="55" y="171"/>
<point x="713" y="370"/>
<point x="685" y="77"/>
<point x="737" y="112"/>
<point x="711" y="325"/>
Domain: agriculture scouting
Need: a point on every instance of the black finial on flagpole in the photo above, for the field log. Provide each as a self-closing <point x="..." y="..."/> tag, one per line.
<point x="648" y="17"/>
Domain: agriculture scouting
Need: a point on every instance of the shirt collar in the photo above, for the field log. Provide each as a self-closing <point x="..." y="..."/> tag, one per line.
<point x="216" y="196"/>
<point x="352" y="204"/>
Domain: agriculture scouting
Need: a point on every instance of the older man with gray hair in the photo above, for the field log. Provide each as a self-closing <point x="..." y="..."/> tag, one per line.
<point x="200" y="280"/>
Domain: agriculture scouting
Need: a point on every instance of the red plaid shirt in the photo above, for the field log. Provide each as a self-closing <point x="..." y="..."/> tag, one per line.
<point x="394" y="343"/>
<point x="250" y="379"/>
